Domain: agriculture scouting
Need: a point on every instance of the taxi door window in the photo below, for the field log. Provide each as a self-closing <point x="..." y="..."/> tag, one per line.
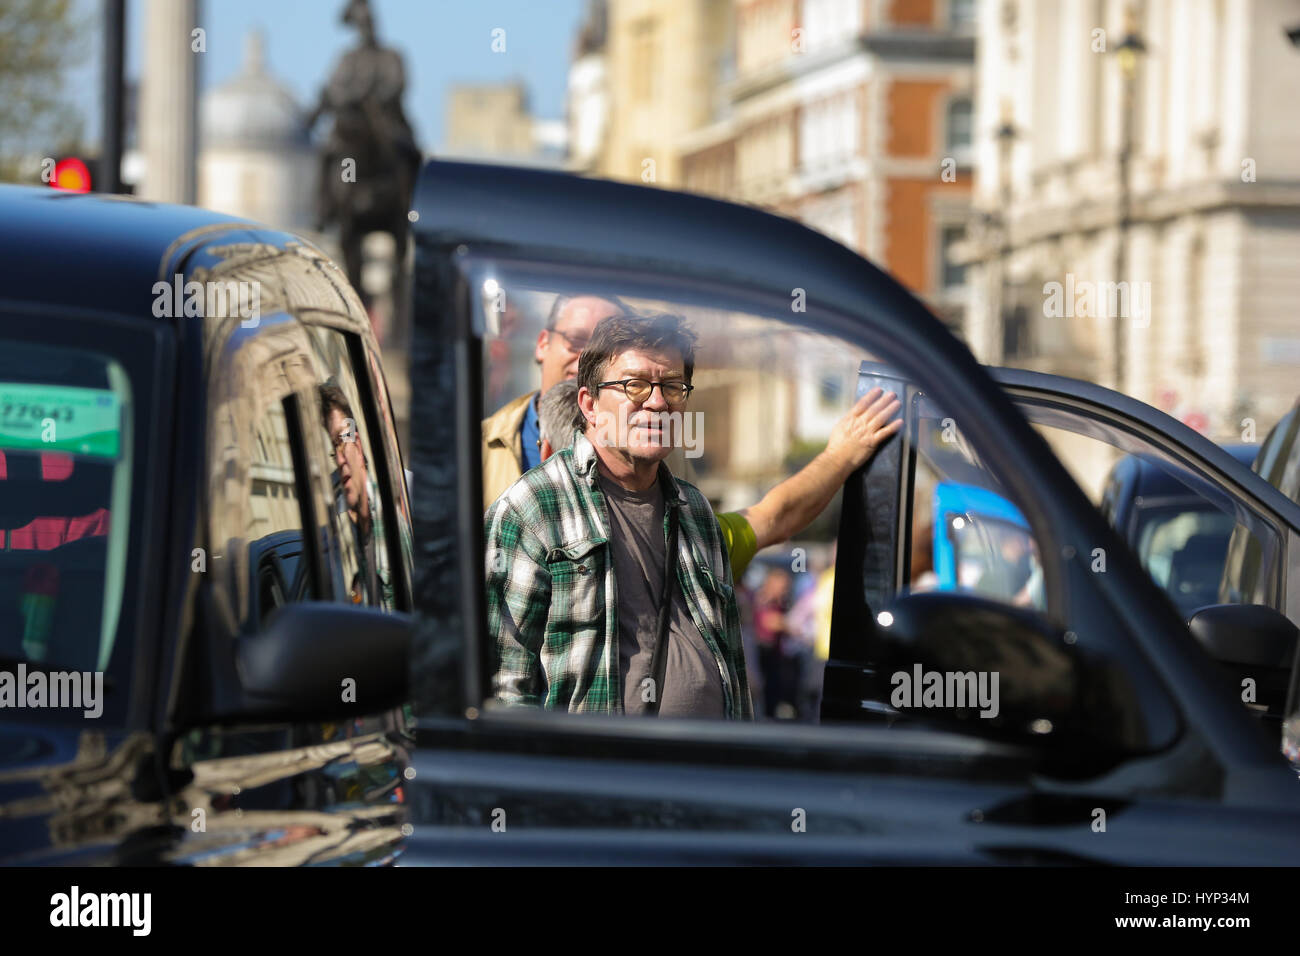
<point x="389" y="439"/>
<point x="1195" y="540"/>
<point x="767" y="397"/>
<point x="356" y="505"/>
<point x="261" y="555"/>
<point x="280" y="569"/>
<point x="65" y="486"/>
<point x="966" y="532"/>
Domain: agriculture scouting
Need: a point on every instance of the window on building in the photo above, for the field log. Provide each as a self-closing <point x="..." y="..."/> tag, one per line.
<point x="958" y="126"/>
<point x="827" y="21"/>
<point x="961" y="14"/>
<point x="643" y="61"/>
<point x="828" y="131"/>
<point x="1016" y="338"/>
<point x="952" y="274"/>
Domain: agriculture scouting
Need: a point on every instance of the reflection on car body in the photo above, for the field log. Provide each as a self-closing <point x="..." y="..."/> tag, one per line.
<point x="166" y="518"/>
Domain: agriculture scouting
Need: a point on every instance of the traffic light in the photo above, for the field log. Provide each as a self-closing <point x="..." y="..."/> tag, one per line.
<point x="70" y="174"/>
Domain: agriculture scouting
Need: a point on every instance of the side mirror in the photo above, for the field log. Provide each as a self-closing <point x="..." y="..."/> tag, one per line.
<point x="1250" y="642"/>
<point x="965" y="663"/>
<point x="323" y="661"/>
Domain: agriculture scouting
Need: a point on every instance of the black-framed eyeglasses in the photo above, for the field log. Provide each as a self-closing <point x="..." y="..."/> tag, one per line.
<point x="639" y="390"/>
<point x="574" y="344"/>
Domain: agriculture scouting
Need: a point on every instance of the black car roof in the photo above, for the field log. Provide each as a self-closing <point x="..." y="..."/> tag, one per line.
<point x="103" y="252"/>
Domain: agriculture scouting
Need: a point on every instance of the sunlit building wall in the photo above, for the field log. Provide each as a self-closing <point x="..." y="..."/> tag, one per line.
<point x="1213" y="209"/>
<point x="256" y="160"/>
<point x="488" y="120"/>
<point x="853" y="116"/>
<point x="664" y="62"/>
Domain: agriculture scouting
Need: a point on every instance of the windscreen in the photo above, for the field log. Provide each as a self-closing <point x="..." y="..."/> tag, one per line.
<point x="65" y="482"/>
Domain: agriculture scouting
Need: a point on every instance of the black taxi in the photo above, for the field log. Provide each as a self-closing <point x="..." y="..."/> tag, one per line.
<point x="204" y="545"/>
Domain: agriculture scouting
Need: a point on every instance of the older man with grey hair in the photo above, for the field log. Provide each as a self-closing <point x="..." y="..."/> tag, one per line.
<point x="559" y="417"/>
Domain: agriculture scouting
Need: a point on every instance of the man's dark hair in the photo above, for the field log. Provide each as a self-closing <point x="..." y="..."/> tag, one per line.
<point x="332" y="397"/>
<point x="655" y="332"/>
<point x="564" y="299"/>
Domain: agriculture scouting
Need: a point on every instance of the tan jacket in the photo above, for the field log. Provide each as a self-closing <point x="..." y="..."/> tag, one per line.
<point x="503" y="454"/>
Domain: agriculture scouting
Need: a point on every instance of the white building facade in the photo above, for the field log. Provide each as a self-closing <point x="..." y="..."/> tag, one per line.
<point x="255" y="156"/>
<point x="1205" y="252"/>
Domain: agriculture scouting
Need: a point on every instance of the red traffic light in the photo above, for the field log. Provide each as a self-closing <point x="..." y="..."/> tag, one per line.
<point x="72" y="175"/>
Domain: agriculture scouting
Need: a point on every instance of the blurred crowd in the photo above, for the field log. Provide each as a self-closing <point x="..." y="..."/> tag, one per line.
<point x="786" y="628"/>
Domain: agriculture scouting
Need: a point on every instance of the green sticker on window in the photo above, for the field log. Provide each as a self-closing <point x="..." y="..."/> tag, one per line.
<point x="79" y="421"/>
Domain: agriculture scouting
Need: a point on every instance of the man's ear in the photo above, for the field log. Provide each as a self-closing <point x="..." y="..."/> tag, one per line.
<point x="547" y="450"/>
<point x="543" y="340"/>
<point x="587" y="404"/>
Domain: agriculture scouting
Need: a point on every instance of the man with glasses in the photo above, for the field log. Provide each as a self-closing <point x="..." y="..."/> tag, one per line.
<point x="609" y="583"/>
<point x="373" y="582"/>
<point x="511" y="440"/>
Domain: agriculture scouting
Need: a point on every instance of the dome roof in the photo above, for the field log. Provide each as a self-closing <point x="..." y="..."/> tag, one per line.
<point x="253" y="110"/>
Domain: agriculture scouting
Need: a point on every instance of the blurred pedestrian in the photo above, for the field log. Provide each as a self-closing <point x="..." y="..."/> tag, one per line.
<point x="772" y="633"/>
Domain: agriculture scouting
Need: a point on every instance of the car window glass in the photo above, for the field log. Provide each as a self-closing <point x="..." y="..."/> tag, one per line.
<point x="258" y="543"/>
<point x="1289" y="483"/>
<point x="1272" y="448"/>
<point x="65" y="482"/>
<point x="1180" y="525"/>
<point x="967" y="534"/>
<point x="357" y="505"/>
<point x="767" y="397"/>
<point x="275" y="513"/>
<point x="390" y="440"/>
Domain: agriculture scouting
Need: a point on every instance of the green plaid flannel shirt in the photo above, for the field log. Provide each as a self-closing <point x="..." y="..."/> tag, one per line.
<point x="552" y="601"/>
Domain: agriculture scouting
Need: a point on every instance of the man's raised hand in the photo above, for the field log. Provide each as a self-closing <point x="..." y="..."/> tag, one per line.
<point x="865" y="427"/>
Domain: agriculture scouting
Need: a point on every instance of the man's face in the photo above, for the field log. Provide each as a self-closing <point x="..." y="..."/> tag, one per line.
<point x="635" y="428"/>
<point x="348" y="458"/>
<point x="558" y="348"/>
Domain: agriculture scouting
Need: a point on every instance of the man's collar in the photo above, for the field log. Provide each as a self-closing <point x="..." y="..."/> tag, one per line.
<point x="503" y="425"/>
<point x="586" y="464"/>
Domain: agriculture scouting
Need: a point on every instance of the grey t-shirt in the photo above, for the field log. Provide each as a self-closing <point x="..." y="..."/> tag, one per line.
<point x="693" y="684"/>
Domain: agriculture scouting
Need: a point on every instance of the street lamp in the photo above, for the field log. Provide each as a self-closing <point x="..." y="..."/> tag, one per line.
<point x="1127" y="54"/>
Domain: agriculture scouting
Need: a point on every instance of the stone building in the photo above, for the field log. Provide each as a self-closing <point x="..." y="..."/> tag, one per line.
<point x="665" y="61"/>
<point x="587" y="99"/>
<point x="493" y="122"/>
<point x="255" y="156"/>
<point x="853" y="116"/>
<point x="1145" y="195"/>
